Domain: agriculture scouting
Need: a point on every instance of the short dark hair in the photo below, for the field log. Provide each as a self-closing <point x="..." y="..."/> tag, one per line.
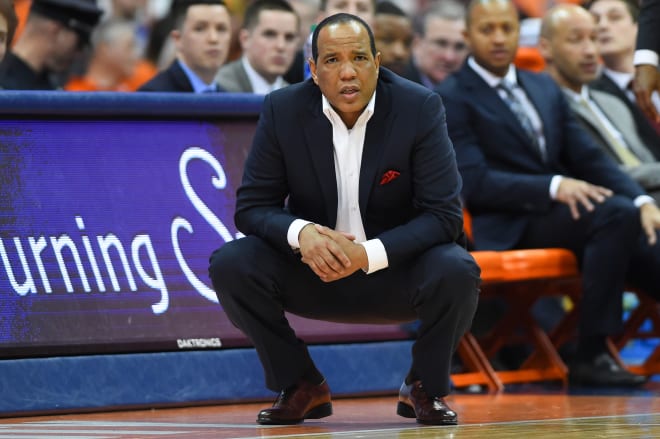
<point x="180" y="9"/>
<point x="389" y="8"/>
<point x="631" y="5"/>
<point x="324" y="4"/>
<point x="251" y="17"/>
<point x="341" y="18"/>
<point x="7" y="11"/>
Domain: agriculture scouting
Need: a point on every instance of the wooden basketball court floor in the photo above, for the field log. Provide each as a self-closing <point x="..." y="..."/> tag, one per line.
<point x="533" y="413"/>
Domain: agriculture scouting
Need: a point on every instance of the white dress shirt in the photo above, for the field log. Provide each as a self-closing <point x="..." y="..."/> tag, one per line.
<point x="348" y="146"/>
<point x="259" y="84"/>
<point x="622" y="80"/>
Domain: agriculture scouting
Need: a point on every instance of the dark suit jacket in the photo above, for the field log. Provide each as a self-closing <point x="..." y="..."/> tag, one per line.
<point x="292" y="156"/>
<point x="646" y="132"/>
<point x="506" y="182"/>
<point x="171" y="79"/>
<point x="648" y="36"/>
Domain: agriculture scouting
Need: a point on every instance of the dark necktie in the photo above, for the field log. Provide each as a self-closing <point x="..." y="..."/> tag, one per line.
<point x="518" y="110"/>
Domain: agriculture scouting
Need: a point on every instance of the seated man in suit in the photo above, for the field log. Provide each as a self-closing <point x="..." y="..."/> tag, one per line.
<point x="350" y="204"/>
<point x="269" y="39"/>
<point x="201" y="36"/>
<point x="617" y="25"/>
<point x="534" y="178"/>
<point x="569" y="47"/>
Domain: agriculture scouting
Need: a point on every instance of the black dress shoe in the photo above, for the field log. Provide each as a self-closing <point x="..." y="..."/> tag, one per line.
<point x="414" y="402"/>
<point x="603" y="371"/>
<point x="297" y="403"/>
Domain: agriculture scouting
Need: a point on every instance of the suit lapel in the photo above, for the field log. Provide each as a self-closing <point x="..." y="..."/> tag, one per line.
<point x="180" y="78"/>
<point x="242" y="77"/>
<point x="318" y="134"/>
<point x="539" y="99"/>
<point x="374" y="142"/>
<point x="491" y="101"/>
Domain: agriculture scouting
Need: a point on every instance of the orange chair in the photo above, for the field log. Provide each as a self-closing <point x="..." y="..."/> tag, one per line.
<point x="520" y="277"/>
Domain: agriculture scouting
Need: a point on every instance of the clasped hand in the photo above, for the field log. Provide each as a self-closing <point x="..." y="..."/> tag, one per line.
<point x="330" y="254"/>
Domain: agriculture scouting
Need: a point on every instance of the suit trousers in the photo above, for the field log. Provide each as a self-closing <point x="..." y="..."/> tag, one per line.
<point x="612" y="252"/>
<point x="256" y="283"/>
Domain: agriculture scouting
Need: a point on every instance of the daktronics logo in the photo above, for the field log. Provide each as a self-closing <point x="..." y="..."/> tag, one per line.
<point x="196" y="343"/>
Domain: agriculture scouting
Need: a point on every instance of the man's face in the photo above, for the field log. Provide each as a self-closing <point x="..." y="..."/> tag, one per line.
<point x="617" y="31"/>
<point x="572" y="50"/>
<point x="203" y="41"/>
<point x="493" y="35"/>
<point x="271" y="45"/>
<point x="4" y="35"/>
<point x="362" y="8"/>
<point x="66" y="47"/>
<point x="394" y="37"/>
<point x="442" y="50"/>
<point x="346" y="71"/>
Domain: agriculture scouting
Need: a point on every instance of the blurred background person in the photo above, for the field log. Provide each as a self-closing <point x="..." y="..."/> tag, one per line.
<point x="8" y="22"/>
<point x="201" y="38"/>
<point x="55" y="32"/>
<point x="617" y="22"/>
<point x="439" y="48"/>
<point x="269" y="39"/>
<point x="113" y="61"/>
<point x="365" y="9"/>
<point x="308" y="11"/>
<point x="394" y="35"/>
<point x="570" y="47"/>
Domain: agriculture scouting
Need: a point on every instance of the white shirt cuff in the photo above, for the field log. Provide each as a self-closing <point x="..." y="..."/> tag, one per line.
<point x="294" y="231"/>
<point x="554" y="186"/>
<point x="643" y="199"/>
<point x="645" y="56"/>
<point x="376" y="255"/>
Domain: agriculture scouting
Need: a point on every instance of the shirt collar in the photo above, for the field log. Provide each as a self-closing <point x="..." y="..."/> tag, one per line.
<point x="198" y="85"/>
<point x="583" y="94"/>
<point x="621" y="79"/>
<point x="331" y="114"/>
<point x="259" y="84"/>
<point x="491" y="79"/>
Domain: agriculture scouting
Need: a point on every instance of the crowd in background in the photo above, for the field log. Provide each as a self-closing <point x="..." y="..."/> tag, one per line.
<point x="129" y="41"/>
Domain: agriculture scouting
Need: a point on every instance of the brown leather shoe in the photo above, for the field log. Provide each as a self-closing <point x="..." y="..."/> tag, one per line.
<point x="297" y="403"/>
<point x="414" y="402"/>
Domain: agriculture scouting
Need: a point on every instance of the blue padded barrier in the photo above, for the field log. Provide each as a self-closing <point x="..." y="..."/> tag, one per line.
<point x="101" y="382"/>
<point x="95" y="104"/>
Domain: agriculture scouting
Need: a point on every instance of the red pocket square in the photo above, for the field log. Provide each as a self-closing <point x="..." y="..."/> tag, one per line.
<point x="389" y="176"/>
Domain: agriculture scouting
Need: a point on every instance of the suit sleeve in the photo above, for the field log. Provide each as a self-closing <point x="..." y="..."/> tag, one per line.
<point x="260" y="199"/>
<point x="436" y="189"/>
<point x="502" y="187"/>
<point x="648" y="36"/>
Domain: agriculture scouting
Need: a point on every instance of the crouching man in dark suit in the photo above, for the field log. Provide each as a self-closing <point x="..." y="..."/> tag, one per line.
<point x="370" y="232"/>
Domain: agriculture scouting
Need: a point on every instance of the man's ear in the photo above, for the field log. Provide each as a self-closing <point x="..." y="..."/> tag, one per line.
<point x="175" y="34"/>
<point x="312" y="70"/>
<point x="243" y="37"/>
<point x="545" y="48"/>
